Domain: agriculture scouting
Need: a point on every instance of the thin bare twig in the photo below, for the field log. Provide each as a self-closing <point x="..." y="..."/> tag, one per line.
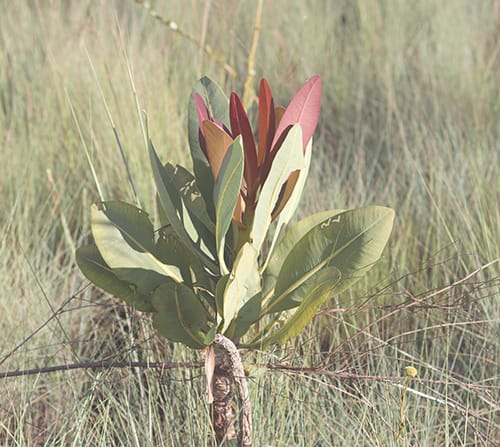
<point x="100" y="364"/>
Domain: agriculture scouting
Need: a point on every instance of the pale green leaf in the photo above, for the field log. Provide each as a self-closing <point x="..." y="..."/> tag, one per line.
<point x="244" y="282"/>
<point x="289" y="209"/>
<point x="288" y="159"/>
<point x="98" y="272"/>
<point x="226" y="194"/>
<point x="125" y="239"/>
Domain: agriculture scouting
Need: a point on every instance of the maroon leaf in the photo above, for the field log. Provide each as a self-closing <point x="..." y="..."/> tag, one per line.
<point x="304" y="110"/>
<point x="266" y="121"/>
<point x="241" y="126"/>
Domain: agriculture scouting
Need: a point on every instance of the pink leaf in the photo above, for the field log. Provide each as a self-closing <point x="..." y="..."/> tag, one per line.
<point x="201" y="110"/>
<point x="303" y="109"/>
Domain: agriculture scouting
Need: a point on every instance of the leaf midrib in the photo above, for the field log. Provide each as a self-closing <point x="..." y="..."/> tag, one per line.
<point x="315" y="269"/>
<point x="164" y="267"/>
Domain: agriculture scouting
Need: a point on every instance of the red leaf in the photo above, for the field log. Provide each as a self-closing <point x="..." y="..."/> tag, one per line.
<point x="241" y="126"/>
<point x="266" y="121"/>
<point x="303" y="109"/>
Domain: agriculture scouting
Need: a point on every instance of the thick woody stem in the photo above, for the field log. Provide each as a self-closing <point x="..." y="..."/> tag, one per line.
<point x="228" y="372"/>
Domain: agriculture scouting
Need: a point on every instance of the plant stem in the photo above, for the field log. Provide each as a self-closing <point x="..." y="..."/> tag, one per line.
<point x="230" y="371"/>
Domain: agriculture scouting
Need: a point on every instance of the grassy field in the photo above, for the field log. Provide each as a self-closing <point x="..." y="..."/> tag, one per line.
<point x="410" y="119"/>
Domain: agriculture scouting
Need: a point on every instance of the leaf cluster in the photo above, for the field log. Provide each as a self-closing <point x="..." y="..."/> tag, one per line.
<point x="223" y="258"/>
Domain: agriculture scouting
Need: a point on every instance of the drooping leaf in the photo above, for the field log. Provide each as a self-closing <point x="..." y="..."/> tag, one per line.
<point x="226" y="194"/>
<point x="289" y="158"/>
<point x="244" y="282"/>
<point x="124" y="236"/>
<point x="351" y="241"/>
<point x="316" y="294"/>
<point x="97" y="271"/>
<point x="303" y="109"/>
<point x="179" y="315"/>
<point x="174" y="205"/>
<point x="241" y="126"/>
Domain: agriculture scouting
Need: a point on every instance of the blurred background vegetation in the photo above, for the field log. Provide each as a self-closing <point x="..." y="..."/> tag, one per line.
<point x="410" y="119"/>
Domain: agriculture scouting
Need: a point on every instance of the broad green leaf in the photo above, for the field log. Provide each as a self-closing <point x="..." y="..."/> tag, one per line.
<point x="351" y="241"/>
<point x="291" y="205"/>
<point x="125" y="239"/>
<point x="226" y="193"/>
<point x="174" y="205"/>
<point x="316" y="294"/>
<point x="180" y="316"/>
<point x="97" y="271"/>
<point x="171" y="249"/>
<point x="145" y="281"/>
<point x="293" y="234"/>
<point x="218" y="105"/>
<point x="244" y="282"/>
<point x="288" y="159"/>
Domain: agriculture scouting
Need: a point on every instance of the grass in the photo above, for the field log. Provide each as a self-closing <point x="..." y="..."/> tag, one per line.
<point x="410" y="119"/>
